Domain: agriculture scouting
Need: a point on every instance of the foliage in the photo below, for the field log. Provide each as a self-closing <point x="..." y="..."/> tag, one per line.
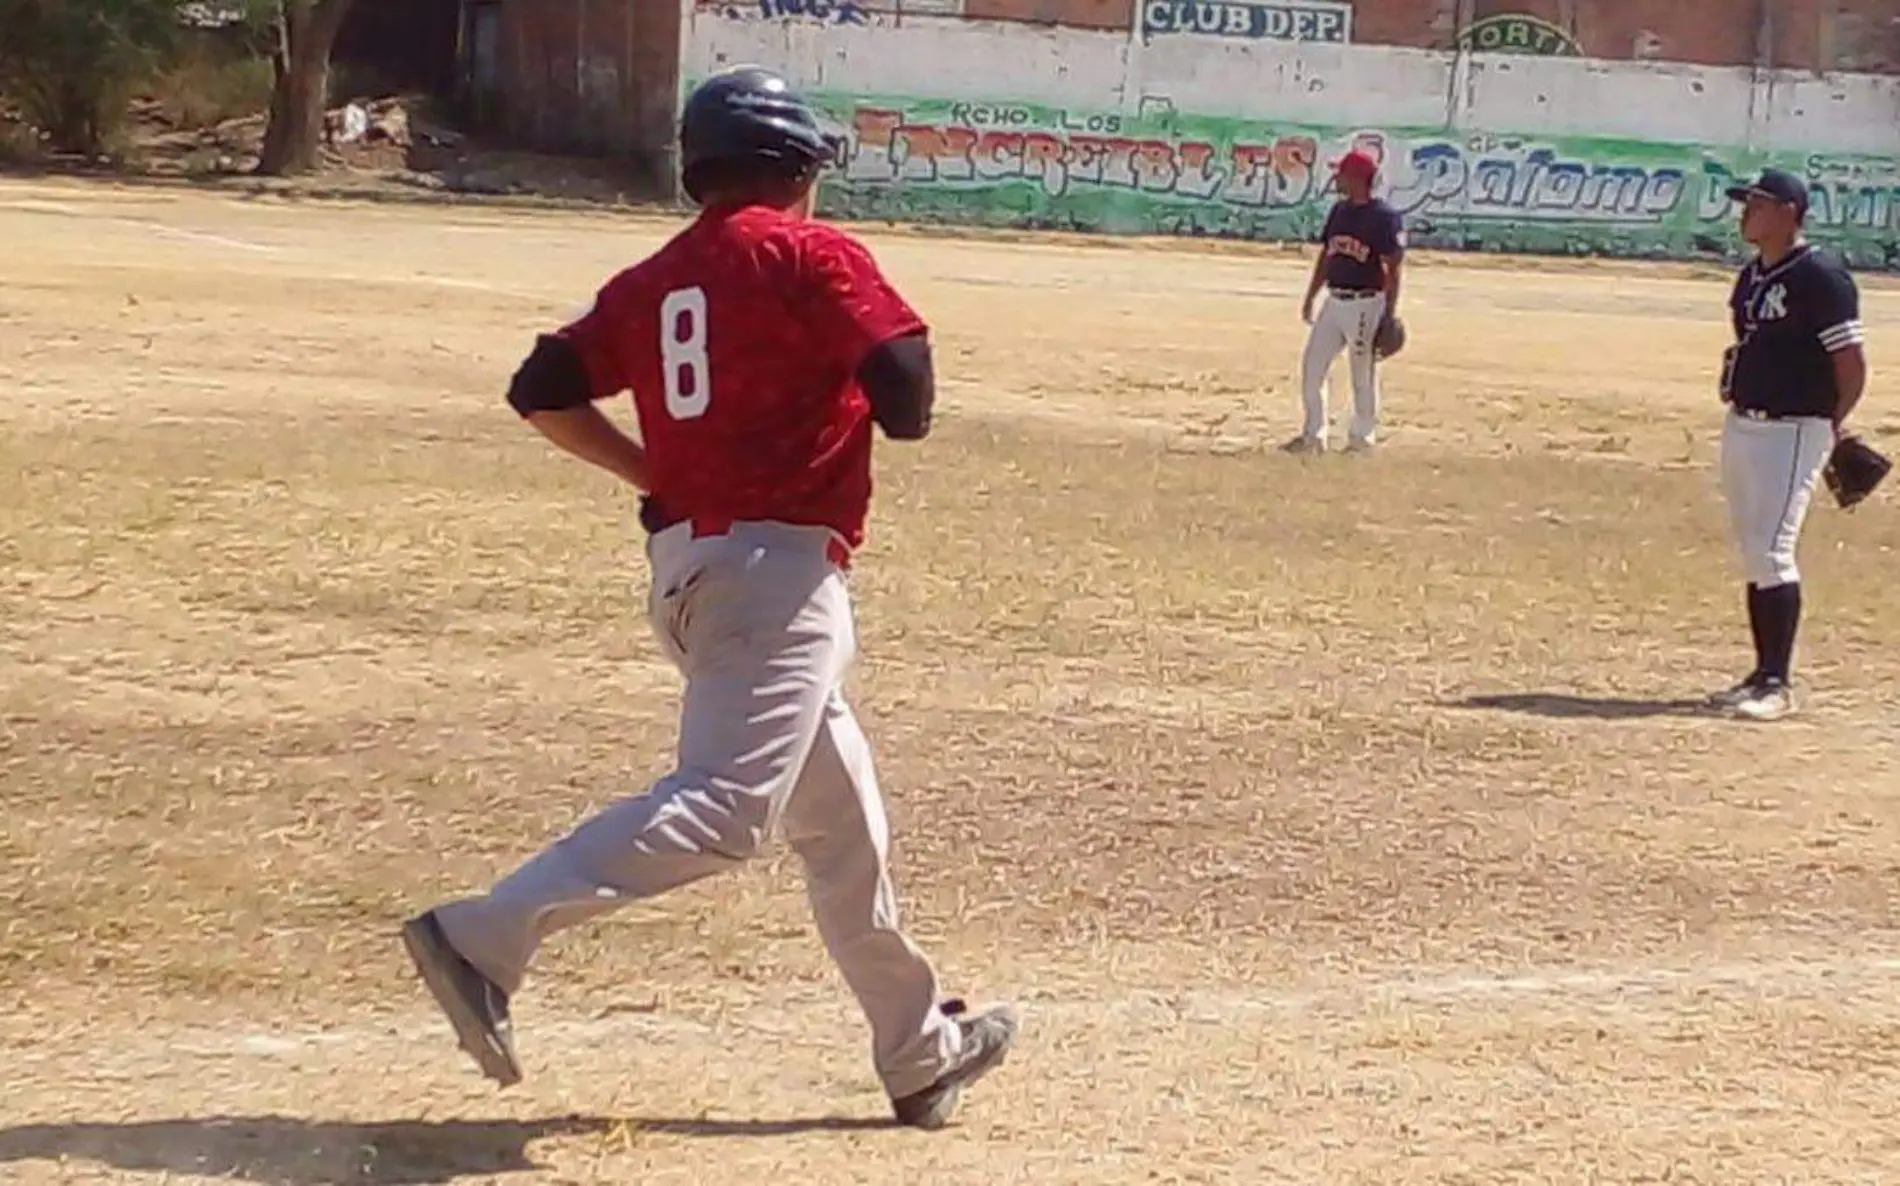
<point x="250" y="26"/>
<point x="71" y="65"/>
<point x="206" y="86"/>
<point x="19" y="144"/>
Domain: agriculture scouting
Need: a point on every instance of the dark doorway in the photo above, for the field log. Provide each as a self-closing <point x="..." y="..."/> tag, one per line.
<point x="399" y="46"/>
<point x="481" y="44"/>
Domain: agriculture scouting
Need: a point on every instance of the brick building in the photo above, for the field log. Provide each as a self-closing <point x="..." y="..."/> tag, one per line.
<point x="601" y="77"/>
<point x="1818" y="35"/>
<point x="591" y="77"/>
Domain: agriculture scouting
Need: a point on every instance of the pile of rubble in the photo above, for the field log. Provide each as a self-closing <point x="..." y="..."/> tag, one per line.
<point x="373" y="145"/>
<point x="384" y="121"/>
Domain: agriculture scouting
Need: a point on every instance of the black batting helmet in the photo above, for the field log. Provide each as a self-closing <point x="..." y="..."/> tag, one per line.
<point x="749" y="116"/>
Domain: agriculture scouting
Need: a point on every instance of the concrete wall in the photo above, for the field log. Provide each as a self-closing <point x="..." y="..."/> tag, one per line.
<point x="1013" y="124"/>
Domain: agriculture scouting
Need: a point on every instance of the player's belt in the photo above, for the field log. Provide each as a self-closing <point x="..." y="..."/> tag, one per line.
<point x="1355" y="294"/>
<point x="1765" y="414"/>
<point x="703" y="527"/>
<point x="651" y="517"/>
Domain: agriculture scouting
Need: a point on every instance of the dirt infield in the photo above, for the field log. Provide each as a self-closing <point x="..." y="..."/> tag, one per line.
<point x="1335" y="820"/>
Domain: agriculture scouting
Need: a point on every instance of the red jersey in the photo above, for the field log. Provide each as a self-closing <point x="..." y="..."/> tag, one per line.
<point x="741" y="340"/>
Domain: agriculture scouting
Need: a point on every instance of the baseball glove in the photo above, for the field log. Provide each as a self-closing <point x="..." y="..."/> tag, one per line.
<point x="1853" y="469"/>
<point x="1389" y="338"/>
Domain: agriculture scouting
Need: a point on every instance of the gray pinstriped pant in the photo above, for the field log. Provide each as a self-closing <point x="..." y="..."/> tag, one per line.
<point x="759" y="622"/>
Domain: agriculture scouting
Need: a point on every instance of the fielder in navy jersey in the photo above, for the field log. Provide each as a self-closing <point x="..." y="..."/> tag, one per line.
<point x="1790" y="380"/>
<point x="1361" y="249"/>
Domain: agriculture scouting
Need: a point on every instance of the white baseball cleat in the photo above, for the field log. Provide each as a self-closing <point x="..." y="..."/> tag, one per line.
<point x="1766" y="702"/>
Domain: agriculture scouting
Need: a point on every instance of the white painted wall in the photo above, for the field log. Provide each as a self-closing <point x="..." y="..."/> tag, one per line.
<point x="1093" y="71"/>
<point x="1839" y="113"/>
<point x="923" y="57"/>
<point x="1323" y="84"/>
<point x="1591" y="97"/>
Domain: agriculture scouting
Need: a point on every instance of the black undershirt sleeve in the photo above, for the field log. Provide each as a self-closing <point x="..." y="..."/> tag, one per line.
<point x="551" y="379"/>
<point x="899" y="378"/>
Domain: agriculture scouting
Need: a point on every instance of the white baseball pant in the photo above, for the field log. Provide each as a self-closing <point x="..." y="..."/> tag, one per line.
<point x="759" y="622"/>
<point x="1769" y="472"/>
<point x="1346" y="322"/>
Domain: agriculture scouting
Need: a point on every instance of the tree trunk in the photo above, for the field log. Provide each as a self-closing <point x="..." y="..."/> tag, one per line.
<point x="294" y="137"/>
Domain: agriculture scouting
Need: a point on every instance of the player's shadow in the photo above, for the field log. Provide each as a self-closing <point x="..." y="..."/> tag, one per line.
<point x="285" y="1151"/>
<point x="1603" y="708"/>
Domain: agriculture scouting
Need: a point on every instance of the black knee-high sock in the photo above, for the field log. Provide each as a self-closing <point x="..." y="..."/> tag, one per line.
<point x="1781" y="616"/>
<point x="1755" y="616"/>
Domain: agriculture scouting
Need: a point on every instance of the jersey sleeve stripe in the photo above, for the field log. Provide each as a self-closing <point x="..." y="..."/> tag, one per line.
<point x="1840" y="337"/>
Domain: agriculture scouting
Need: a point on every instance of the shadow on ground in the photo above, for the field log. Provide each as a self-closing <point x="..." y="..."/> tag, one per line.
<point x="1605" y="708"/>
<point x="285" y="1151"/>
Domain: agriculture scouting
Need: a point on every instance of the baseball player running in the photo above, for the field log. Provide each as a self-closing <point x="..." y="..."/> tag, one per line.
<point x="1794" y="374"/>
<point x="760" y="347"/>
<point x="1362" y="245"/>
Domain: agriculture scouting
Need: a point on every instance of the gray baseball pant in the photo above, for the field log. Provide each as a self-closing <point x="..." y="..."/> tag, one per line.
<point x="759" y="622"/>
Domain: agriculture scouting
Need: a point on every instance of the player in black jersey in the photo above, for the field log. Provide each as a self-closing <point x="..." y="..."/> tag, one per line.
<point x="1362" y="247"/>
<point x="1794" y="373"/>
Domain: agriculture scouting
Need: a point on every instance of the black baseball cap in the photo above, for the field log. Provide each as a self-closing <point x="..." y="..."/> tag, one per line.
<point x="1775" y="184"/>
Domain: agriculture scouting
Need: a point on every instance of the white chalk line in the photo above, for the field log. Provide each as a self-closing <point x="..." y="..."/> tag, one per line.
<point x="37" y="206"/>
<point x="474" y="286"/>
<point x="40" y="206"/>
<point x="192" y="236"/>
<point x="1630" y="991"/>
<point x="33" y="206"/>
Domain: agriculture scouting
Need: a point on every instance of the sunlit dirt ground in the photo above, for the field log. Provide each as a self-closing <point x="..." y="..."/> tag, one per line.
<point x="1336" y="820"/>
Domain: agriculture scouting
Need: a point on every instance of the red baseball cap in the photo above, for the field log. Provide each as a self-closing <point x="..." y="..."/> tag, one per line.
<point x="1357" y="163"/>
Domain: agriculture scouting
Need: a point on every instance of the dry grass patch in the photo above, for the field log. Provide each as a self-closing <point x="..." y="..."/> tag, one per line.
<point x="1251" y="775"/>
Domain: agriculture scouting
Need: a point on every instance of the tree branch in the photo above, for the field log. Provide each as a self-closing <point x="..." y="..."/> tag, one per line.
<point x="326" y="18"/>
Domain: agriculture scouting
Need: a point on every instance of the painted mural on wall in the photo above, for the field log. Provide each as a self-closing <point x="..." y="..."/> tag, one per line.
<point x="824" y="12"/>
<point x="1258" y="20"/>
<point x="1518" y="33"/>
<point x="1022" y="165"/>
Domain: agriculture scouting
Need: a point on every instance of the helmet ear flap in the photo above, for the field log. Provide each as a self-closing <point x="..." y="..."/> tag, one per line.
<point x="836" y="142"/>
<point x="751" y="176"/>
<point x="689" y="182"/>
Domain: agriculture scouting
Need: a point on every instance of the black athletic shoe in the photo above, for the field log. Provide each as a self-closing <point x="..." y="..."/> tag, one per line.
<point x="475" y="1006"/>
<point x="987" y="1039"/>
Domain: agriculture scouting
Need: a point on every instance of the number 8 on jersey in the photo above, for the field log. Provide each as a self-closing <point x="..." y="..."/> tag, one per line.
<point x="683" y="353"/>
